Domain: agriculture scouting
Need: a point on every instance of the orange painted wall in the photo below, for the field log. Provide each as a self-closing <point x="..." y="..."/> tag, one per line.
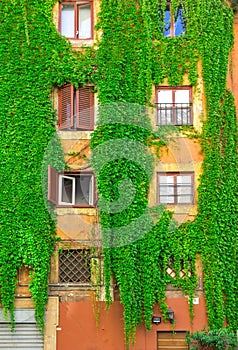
<point x="77" y="329"/>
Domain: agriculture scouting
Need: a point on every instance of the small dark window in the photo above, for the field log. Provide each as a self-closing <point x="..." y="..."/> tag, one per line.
<point x="174" y="24"/>
<point x="76" y="19"/>
<point x="174" y="106"/>
<point x="74" y="266"/>
<point x="175" y="188"/>
<point x="75" y="108"/>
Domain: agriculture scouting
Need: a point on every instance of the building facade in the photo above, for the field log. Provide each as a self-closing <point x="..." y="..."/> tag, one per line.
<point x="76" y="316"/>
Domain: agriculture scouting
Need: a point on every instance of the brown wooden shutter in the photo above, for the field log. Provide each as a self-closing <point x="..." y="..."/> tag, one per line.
<point x="52" y="185"/>
<point x="85" y="109"/>
<point x="66" y="106"/>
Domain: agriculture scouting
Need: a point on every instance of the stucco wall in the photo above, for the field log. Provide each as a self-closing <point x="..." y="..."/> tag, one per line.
<point x="77" y="328"/>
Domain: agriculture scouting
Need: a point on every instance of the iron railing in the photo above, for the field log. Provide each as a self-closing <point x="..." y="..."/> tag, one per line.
<point x="173" y="113"/>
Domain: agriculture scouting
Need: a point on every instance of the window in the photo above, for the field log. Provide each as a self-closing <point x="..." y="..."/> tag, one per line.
<point x="71" y="189"/>
<point x="174" y="106"/>
<point x="76" y="21"/>
<point x="74" y="266"/>
<point x="172" y="271"/>
<point x="175" y="188"/>
<point x="75" y="108"/>
<point x="174" y="24"/>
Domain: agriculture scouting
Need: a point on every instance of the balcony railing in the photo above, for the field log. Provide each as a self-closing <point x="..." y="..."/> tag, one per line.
<point x="174" y="114"/>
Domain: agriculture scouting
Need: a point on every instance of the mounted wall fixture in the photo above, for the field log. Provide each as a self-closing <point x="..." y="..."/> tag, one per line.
<point x="171" y="315"/>
<point x="156" y="319"/>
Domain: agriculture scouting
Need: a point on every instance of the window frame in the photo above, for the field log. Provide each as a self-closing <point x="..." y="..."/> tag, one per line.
<point x="76" y="110"/>
<point x="77" y="5"/>
<point x="173" y="104"/>
<point x="55" y="188"/>
<point x="175" y="187"/>
<point x="172" y="21"/>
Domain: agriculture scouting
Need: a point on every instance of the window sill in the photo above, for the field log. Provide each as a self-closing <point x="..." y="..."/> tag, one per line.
<point x="65" y="210"/>
<point x="77" y="43"/>
<point x="75" y="134"/>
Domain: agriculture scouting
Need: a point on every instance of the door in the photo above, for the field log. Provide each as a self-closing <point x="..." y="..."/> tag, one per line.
<point x="172" y="340"/>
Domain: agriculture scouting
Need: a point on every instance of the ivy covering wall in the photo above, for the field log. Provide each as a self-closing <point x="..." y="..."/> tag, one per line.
<point x="34" y="58"/>
<point x="131" y="56"/>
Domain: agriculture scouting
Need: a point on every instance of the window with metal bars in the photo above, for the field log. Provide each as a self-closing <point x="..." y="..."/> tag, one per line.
<point x="176" y="188"/>
<point x="171" y="271"/>
<point x="76" y="19"/>
<point x="75" y="108"/>
<point x="174" y="106"/>
<point x="74" y="266"/>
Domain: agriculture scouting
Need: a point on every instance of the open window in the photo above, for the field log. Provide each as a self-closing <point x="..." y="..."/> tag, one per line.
<point x="75" y="108"/>
<point x="76" y="19"/>
<point x="176" y="188"/>
<point x="174" y="105"/>
<point x="71" y="189"/>
<point x="173" y="19"/>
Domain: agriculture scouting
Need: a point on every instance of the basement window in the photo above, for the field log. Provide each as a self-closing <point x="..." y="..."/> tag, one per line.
<point x="74" y="266"/>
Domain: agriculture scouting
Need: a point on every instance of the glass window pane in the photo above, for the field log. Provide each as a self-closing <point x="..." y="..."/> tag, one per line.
<point x="182" y="96"/>
<point x="163" y="179"/>
<point x="66" y="190"/>
<point x="167" y="21"/>
<point x="184" y="189"/>
<point x="166" y="189"/>
<point x="185" y="199"/>
<point x="67" y="26"/>
<point x="165" y="96"/>
<point x="184" y="179"/>
<point x="179" y="26"/>
<point x="84" y="22"/>
<point x="83" y="189"/>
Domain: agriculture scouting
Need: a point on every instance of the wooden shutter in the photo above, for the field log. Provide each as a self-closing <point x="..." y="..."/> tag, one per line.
<point x="85" y="109"/>
<point x="52" y="185"/>
<point x="66" y="106"/>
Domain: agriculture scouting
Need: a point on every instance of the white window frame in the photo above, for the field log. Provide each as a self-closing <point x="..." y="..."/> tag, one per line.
<point x="73" y="179"/>
<point x="61" y="177"/>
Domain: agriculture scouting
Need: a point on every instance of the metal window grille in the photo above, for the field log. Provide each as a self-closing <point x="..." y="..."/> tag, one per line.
<point x="174" y="113"/>
<point x="74" y="266"/>
<point x="172" y="272"/>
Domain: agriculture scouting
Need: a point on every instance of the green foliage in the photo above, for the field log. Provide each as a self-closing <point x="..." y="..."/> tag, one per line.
<point x="132" y="55"/>
<point x="32" y="53"/>
<point x="217" y="339"/>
